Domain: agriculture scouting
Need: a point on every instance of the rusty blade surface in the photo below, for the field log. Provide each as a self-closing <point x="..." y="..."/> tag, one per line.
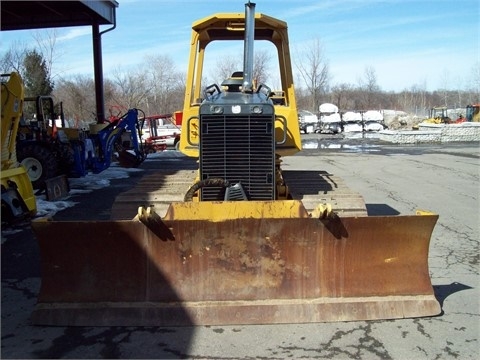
<point x="243" y="271"/>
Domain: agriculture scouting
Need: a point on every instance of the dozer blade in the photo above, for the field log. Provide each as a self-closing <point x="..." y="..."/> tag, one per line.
<point x="237" y="271"/>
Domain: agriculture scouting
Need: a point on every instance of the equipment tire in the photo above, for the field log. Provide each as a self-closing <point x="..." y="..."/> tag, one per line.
<point x="39" y="162"/>
<point x="67" y="159"/>
<point x="177" y="144"/>
<point x="7" y="214"/>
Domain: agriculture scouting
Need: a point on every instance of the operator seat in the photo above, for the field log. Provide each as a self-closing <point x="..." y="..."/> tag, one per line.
<point x="234" y="83"/>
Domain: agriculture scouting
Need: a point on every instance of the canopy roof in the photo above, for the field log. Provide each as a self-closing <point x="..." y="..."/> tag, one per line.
<point x="23" y="15"/>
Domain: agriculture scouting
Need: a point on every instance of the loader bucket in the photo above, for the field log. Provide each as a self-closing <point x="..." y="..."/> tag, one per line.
<point x="244" y="269"/>
<point x="128" y="160"/>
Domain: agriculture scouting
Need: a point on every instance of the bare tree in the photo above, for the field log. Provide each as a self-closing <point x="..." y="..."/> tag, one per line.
<point x="132" y="88"/>
<point x="261" y="66"/>
<point x="163" y="81"/>
<point x="369" y="89"/>
<point x="224" y="68"/>
<point x="370" y="83"/>
<point x="474" y="83"/>
<point x="13" y="59"/>
<point x="314" y="71"/>
<point x="227" y="65"/>
<point x="413" y="100"/>
<point x="46" y="41"/>
<point x="78" y="97"/>
<point x="341" y="96"/>
<point x="302" y="98"/>
<point x="445" y="79"/>
<point x="422" y="99"/>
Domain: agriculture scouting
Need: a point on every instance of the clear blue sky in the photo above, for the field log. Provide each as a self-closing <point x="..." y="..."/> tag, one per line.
<point x="432" y="43"/>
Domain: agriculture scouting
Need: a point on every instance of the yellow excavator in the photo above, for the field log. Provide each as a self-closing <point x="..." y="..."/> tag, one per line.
<point x="245" y="242"/>
<point x="18" y="199"/>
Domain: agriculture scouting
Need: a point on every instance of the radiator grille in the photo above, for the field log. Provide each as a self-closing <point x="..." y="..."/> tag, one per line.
<point x="238" y="149"/>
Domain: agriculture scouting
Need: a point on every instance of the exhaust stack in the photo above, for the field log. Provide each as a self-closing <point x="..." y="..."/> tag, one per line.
<point x="248" y="47"/>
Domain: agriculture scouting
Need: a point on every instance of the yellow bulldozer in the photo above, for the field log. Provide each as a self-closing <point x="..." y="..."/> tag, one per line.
<point x="244" y="243"/>
<point x="18" y="199"/>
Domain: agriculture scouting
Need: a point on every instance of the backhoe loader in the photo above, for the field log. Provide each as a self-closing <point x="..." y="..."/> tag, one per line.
<point x="245" y="242"/>
<point x="47" y="151"/>
<point x="18" y="200"/>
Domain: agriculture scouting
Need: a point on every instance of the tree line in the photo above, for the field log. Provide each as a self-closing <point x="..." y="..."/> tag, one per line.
<point x="157" y="87"/>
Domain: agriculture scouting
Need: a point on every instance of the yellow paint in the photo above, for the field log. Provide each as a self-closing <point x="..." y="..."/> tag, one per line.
<point x="11" y="110"/>
<point x="216" y="211"/>
<point x="424" y="212"/>
<point x="232" y="25"/>
<point x="20" y="177"/>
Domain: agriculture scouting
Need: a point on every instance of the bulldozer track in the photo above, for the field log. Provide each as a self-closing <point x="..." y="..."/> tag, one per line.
<point x="158" y="189"/>
<point x="314" y="187"/>
<point x="162" y="187"/>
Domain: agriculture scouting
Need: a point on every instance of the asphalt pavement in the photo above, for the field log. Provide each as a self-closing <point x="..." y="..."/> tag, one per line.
<point x="443" y="178"/>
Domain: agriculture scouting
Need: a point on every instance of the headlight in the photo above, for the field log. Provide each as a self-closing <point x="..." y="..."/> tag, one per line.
<point x="215" y="109"/>
<point x="256" y="109"/>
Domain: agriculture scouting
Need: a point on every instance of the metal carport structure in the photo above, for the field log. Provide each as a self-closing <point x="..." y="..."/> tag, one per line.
<point x="25" y="15"/>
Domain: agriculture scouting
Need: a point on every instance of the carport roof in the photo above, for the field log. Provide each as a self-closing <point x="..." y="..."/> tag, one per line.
<point x="23" y="15"/>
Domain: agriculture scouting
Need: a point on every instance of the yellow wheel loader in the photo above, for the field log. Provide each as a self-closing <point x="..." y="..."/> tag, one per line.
<point x="472" y="113"/>
<point x="238" y="241"/>
<point x="18" y="200"/>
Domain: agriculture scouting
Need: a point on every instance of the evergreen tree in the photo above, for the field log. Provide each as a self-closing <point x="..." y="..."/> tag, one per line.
<point x="36" y="78"/>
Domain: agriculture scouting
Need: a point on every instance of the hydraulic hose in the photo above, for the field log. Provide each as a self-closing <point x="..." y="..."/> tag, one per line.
<point x="204" y="183"/>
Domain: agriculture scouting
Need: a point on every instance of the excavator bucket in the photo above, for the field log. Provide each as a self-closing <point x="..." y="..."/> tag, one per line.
<point x="211" y="263"/>
<point x="128" y="160"/>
